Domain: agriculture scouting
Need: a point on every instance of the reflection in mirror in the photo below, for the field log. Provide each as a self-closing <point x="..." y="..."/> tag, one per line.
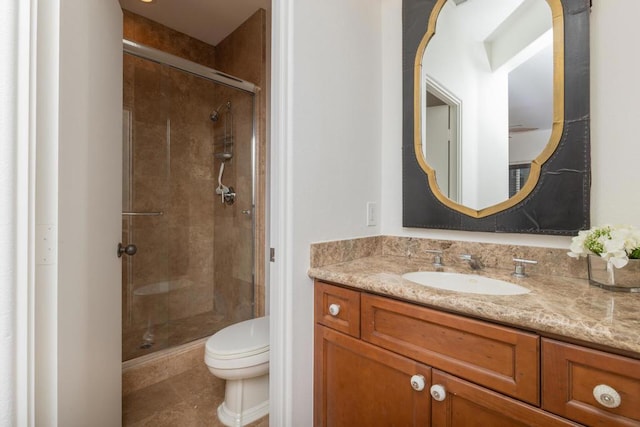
<point x="440" y="143"/>
<point x="487" y="97"/>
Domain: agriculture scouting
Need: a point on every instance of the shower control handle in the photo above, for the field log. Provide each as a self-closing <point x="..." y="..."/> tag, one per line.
<point x="127" y="250"/>
<point x="229" y="196"/>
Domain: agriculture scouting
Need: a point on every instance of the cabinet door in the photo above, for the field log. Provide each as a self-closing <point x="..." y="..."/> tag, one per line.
<point x="469" y="405"/>
<point x="358" y="384"/>
<point x="590" y="386"/>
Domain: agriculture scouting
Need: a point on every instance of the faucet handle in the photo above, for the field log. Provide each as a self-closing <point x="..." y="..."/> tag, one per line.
<point x="519" y="266"/>
<point x="437" y="258"/>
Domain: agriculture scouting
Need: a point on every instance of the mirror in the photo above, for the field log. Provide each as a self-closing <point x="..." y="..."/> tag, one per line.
<point x="486" y="90"/>
<point x="494" y="91"/>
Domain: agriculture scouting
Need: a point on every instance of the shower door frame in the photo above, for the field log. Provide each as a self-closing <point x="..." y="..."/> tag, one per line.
<point x="164" y="58"/>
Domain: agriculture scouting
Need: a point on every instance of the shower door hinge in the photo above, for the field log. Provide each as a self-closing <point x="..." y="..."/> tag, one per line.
<point x="272" y="254"/>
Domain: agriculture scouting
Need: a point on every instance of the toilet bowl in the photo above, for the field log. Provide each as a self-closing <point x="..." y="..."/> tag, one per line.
<point x="239" y="354"/>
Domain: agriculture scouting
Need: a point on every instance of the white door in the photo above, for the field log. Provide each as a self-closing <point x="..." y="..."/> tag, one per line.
<point x="437" y="145"/>
<point x="89" y="218"/>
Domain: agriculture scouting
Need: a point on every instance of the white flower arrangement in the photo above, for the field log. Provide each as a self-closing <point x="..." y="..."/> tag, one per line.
<point x="616" y="244"/>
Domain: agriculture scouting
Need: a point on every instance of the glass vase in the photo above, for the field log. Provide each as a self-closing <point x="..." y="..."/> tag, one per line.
<point x="606" y="276"/>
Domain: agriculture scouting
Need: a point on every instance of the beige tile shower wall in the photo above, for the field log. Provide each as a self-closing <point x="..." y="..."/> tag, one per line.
<point x="243" y="54"/>
<point x="172" y="159"/>
<point x="142" y="30"/>
<point x="233" y="229"/>
<point x="191" y="212"/>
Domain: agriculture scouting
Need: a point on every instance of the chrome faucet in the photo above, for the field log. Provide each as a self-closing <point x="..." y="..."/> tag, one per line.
<point x="474" y="263"/>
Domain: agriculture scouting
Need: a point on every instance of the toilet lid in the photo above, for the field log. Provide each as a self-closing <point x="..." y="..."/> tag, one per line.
<point x="240" y="340"/>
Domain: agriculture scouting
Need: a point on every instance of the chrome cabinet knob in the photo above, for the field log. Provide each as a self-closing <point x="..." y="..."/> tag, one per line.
<point x="438" y="392"/>
<point x="607" y="396"/>
<point x="334" y="309"/>
<point x="417" y="382"/>
<point x="127" y="250"/>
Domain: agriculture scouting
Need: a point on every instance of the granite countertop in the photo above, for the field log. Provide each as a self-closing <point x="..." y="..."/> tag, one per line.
<point x="556" y="306"/>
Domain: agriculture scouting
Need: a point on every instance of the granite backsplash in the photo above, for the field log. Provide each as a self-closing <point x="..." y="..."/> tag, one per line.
<point x="551" y="261"/>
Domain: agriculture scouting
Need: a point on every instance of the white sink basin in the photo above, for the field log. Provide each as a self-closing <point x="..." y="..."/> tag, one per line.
<point x="468" y="283"/>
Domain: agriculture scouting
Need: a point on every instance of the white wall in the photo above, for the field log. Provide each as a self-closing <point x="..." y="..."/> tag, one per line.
<point x="615" y="91"/>
<point x="10" y="169"/>
<point x="46" y="213"/>
<point x="335" y="152"/>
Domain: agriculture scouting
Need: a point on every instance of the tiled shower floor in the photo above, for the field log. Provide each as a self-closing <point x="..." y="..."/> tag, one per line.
<point x="175" y="333"/>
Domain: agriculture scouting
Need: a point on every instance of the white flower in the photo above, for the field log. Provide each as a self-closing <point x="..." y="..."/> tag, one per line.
<point x="613" y="243"/>
<point x="577" y="245"/>
<point x="630" y="237"/>
<point x="614" y="252"/>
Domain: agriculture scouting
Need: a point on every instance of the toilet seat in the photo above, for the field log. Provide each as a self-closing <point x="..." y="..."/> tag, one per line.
<point x="240" y="345"/>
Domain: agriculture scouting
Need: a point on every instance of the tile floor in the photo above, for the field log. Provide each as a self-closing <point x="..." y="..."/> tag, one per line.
<point x="184" y="400"/>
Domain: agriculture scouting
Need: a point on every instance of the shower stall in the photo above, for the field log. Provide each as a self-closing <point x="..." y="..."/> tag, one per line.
<point x="188" y="210"/>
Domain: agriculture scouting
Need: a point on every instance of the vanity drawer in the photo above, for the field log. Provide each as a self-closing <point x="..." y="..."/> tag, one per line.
<point x="500" y="358"/>
<point x="337" y="308"/>
<point x="572" y="372"/>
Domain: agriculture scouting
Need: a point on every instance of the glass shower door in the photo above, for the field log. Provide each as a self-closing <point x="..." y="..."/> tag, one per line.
<point x="188" y="195"/>
<point x="211" y="213"/>
<point x="145" y="199"/>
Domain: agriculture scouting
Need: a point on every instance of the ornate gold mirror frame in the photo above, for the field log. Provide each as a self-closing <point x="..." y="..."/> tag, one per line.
<point x="558" y="115"/>
<point x="555" y="198"/>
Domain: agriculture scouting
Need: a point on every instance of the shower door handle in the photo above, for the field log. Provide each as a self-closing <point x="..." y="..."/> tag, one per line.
<point x="127" y="250"/>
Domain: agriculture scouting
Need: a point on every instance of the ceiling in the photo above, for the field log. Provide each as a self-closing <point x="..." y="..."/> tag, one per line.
<point x="207" y="20"/>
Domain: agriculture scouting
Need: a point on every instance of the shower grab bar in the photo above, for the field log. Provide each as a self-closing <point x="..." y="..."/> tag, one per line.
<point x="143" y="213"/>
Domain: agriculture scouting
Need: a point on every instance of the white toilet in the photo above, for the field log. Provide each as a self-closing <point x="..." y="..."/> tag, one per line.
<point x="239" y="354"/>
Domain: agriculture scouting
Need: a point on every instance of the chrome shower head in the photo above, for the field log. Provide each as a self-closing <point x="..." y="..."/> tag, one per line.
<point x="216" y="113"/>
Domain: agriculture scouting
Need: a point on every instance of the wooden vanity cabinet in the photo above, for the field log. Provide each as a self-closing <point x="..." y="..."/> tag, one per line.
<point x="474" y="373"/>
<point x="356" y="383"/>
